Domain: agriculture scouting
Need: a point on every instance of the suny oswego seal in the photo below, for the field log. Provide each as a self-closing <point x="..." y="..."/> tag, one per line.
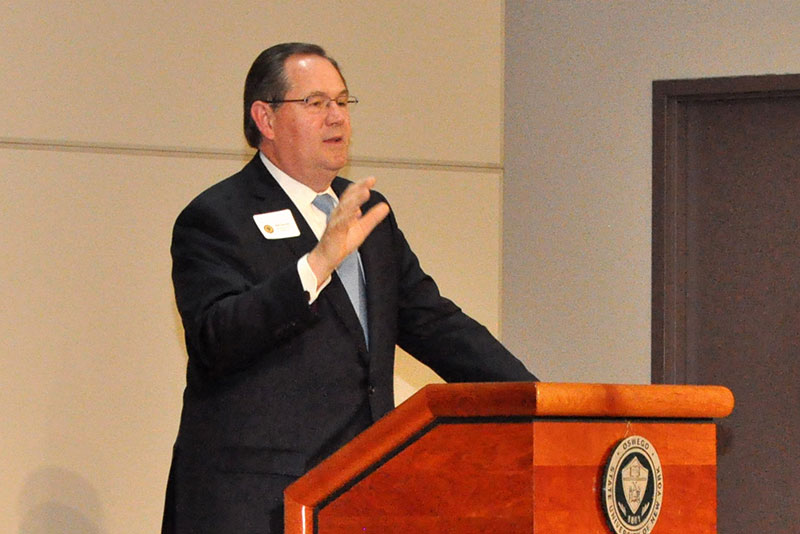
<point x="633" y="487"/>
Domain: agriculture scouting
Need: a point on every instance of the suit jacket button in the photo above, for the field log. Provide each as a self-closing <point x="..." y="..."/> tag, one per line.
<point x="371" y="390"/>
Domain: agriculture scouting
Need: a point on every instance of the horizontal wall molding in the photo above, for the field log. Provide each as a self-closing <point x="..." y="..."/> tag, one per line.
<point x="233" y="155"/>
<point x="121" y="149"/>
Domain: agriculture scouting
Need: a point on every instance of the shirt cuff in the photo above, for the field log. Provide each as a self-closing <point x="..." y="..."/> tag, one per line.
<point x="309" y="279"/>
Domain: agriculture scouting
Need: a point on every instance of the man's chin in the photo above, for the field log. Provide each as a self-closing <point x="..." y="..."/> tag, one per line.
<point x="337" y="162"/>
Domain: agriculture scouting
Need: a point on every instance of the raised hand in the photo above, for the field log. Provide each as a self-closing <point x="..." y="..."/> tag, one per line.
<point x="347" y="228"/>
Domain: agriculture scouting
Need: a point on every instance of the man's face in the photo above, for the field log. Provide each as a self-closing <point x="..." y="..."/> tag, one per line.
<point x="311" y="146"/>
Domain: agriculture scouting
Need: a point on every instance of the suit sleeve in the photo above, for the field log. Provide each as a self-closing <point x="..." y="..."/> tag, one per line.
<point x="231" y="315"/>
<point x="439" y="334"/>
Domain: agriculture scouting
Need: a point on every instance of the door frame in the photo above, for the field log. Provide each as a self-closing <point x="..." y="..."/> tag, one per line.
<point x="670" y="362"/>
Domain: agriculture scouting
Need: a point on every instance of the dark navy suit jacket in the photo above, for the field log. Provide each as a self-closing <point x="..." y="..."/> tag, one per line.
<point x="274" y="385"/>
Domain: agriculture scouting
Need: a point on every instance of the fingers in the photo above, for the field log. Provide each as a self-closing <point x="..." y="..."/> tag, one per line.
<point x="360" y="225"/>
<point x="373" y="217"/>
<point x="350" y="202"/>
<point x="355" y="195"/>
<point x="347" y="228"/>
<point x="347" y="220"/>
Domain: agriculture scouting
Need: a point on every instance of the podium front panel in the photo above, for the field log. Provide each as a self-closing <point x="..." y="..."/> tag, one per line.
<point x="569" y="462"/>
<point x="543" y="476"/>
<point x="473" y="477"/>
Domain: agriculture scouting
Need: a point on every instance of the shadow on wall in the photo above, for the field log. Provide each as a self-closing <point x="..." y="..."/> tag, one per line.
<point x="55" y="500"/>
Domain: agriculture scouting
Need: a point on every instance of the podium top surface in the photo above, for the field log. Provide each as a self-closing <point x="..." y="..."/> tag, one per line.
<point x="550" y="399"/>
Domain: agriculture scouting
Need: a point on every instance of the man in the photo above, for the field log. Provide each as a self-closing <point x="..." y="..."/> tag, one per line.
<point x="285" y="366"/>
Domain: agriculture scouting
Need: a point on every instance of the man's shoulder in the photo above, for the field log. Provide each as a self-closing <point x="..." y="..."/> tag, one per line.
<point x="226" y="200"/>
<point x="252" y="183"/>
<point x="238" y="183"/>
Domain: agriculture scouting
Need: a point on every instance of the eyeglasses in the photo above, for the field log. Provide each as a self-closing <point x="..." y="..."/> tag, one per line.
<point x="317" y="103"/>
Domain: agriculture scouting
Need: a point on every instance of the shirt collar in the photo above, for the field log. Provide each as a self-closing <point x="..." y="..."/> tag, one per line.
<point x="301" y="194"/>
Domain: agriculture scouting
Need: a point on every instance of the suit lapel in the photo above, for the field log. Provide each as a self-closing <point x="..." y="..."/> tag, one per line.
<point x="269" y="196"/>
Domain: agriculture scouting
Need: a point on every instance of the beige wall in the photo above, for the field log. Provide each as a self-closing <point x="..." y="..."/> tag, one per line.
<point x="577" y="185"/>
<point x="114" y="116"/>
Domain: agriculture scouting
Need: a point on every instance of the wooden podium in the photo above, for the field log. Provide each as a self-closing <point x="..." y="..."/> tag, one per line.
<point x="520" y="458"/>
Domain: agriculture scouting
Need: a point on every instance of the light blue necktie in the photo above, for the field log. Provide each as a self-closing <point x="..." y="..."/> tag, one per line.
<point x="349" y="271"/>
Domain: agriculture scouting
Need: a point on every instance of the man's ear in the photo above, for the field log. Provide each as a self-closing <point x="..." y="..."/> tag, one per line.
<point x="263" y="115"/>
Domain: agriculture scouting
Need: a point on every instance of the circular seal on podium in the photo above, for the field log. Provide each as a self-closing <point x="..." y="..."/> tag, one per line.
<point x="633" y="487"/>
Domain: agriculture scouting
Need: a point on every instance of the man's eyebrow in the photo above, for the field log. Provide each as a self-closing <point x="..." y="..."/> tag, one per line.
<point x="323" y="93"/>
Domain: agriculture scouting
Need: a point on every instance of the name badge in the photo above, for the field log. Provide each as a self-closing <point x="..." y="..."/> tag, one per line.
<point x="277" y="224"/>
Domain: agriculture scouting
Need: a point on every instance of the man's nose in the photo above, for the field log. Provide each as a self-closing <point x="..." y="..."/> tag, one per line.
<point x="335" y="113"/>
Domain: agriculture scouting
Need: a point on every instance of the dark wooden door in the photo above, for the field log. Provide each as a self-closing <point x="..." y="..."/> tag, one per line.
<point x="726" y="278"/>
